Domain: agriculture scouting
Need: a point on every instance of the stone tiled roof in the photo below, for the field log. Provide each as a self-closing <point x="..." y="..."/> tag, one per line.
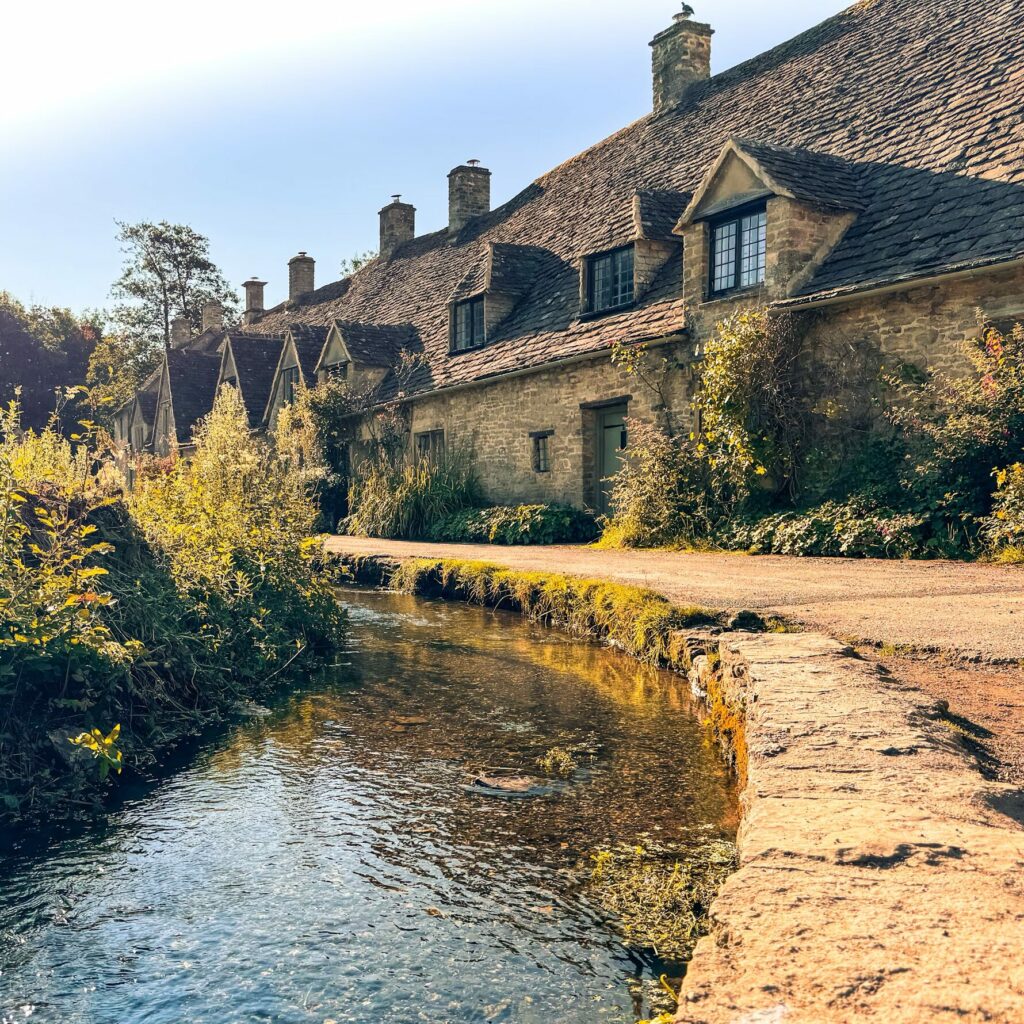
<point x="922" y="101"/>
<point x="256" y="358"/>
<point x="193" y="382"/>
<point x="658" y="211"/>
<point x="309" y="343"/>
<point x="813" y="177"/>
<point x="372" y="345"/>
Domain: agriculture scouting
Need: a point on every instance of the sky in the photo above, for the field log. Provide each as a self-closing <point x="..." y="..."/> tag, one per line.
<point x="275" y="127"/>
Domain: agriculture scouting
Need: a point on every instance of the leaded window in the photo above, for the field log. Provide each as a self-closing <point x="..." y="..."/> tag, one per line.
<point x="610" y="280"/>
<point x="738" y="247"/>
<point x="469" y="324"/>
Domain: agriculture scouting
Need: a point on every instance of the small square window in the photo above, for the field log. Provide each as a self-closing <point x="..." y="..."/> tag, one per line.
<point x="541" y="453"/>
<point x="469" y="324"/>
<point x="429" y="445"/>
<point x="337" y="371"/>
<point x="738" y="248"/>
<point x="610" y="280"/>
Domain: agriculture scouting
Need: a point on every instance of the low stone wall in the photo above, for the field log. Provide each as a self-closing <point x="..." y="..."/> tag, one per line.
<point x="880" y="875"/>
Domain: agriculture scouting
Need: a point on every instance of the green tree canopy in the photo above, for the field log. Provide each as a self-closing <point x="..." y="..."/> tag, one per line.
<point x="167" y="273"/>
<point x="42" y="349"/>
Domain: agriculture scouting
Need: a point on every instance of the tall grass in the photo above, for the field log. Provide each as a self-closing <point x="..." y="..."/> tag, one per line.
<point x="394" y="499"/>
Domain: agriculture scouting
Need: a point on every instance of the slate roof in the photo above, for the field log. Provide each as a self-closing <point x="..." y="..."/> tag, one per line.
<point x="193" y="382"/>
<point x="256" y="357"/>
<point x="923" y="102"/>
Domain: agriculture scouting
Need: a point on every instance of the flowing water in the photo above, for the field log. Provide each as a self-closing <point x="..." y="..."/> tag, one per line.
<point x="322" y="860"/>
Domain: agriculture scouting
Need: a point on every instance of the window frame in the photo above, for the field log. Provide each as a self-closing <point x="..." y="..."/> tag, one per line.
<point x="592" y="261"/>
<point x="428" y="444"/>
<point x="540" y="450"/>
<point x="290" y="376"/>
<point x="734" y="217"/>
<point x="473" y="303"/>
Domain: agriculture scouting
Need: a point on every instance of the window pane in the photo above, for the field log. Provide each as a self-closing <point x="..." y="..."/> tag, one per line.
<point x="754" y="231"/>
<point x="469" y="324"/>
<point x="611" y="280"/>
<point x="623" y="287"/>
<point x="478" y="321"/>
<point x="602" y="282"/>
<point x="724" y="267"/>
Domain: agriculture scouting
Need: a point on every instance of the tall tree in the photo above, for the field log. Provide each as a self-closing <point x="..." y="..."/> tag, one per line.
<point x="167" y="272"/>
<point x="42" y="349"/>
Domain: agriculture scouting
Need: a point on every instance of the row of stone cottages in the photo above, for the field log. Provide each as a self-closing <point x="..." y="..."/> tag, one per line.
<point x="871" y="168"/>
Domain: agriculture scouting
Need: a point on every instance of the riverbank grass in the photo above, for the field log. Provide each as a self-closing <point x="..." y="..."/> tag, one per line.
<point x="640" y="622"/>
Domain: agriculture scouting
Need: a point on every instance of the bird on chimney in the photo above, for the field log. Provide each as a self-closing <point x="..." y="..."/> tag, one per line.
<point x="687" y="11"/>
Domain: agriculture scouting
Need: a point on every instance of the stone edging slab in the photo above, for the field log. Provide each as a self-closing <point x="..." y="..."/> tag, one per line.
<point x="880" y="876"/>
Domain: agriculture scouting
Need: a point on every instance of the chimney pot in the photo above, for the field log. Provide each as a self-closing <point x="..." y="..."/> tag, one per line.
<point x="300" y="275"/>
<point x="397" y="225"/>
<point x="681" y="56"/>
<point x="213" y="316"/>
<point x="253" y="298"/>
<point x="469" y="194"/>
<point x="181" y="332"/>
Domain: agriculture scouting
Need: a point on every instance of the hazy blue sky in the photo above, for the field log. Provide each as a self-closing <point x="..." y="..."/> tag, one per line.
<point x="278" y="126"/>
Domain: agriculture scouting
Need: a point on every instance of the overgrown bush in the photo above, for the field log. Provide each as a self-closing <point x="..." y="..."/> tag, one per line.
<point x="851" y="529"/>
<point x="516" y="524"/>
<point x="662" y="495"/>
<point x="234" y="524"/>
<point x="158" y="632"/>
<point x="1004" y="529"/>
<point x="818" y="451"/>
<point x="395" y="499"/>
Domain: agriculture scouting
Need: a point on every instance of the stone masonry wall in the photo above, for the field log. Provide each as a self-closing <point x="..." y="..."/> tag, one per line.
<point x="925" y="325"/>
<point x="498" y="419"/>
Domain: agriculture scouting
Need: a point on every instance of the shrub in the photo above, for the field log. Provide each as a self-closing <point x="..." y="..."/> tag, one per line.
<point x="517" y="524"/>
<point x="957" y="428"/>
<point x="1004" y="529"/>
<point x="116" y="641"/>
<point x="234" y="524"/>
<point x="662" y="494"/>
<point x="851" y="529"/>
<point x="390" y="498"/>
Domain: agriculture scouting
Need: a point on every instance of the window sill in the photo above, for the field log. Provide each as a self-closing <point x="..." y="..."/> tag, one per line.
<point x="596" y="314"/>
<point x="466" y="351"/>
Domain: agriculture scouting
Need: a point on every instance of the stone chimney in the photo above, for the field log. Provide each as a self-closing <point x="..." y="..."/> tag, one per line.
<point x="181" y="332"/>
<point x="300" y="275"/>
<point x="253" y="299"/>
<point x="681" y="57"/>
<point x="213" y="316"/>
<point x="469" y="194"/>
<point x="397" y="225"/>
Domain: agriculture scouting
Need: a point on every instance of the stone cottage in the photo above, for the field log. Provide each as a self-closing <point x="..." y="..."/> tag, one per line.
<point x="872" y="168"/>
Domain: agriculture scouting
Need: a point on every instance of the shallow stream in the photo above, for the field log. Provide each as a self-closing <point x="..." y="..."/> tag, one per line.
<point x="323" y="861"/>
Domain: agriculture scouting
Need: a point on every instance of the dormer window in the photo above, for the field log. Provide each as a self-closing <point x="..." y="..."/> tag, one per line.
<point x="335" y="371"/>
<point x="289" y="384"/>
<point x="469" y="324"/>
<point x="610" y="280"/>
<point x="738" y="246"/>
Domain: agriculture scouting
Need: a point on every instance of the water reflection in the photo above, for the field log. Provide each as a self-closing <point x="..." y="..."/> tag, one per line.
<point x="324" y="862"/>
